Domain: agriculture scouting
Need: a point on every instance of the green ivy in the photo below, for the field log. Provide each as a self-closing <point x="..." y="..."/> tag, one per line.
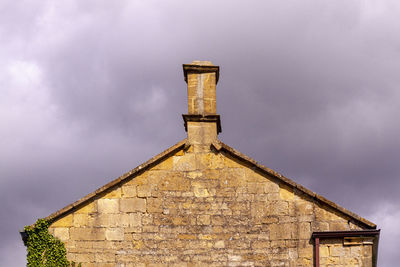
<point x="44" y="250"/>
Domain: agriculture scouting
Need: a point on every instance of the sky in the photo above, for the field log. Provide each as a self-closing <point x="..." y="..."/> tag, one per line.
<point x="91" y="89"/>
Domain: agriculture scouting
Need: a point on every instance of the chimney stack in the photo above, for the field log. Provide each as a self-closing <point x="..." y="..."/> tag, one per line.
<point x="202" y="122"/>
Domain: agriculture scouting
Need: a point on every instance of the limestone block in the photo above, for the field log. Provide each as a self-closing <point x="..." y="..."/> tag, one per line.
<point x="80" y="219"/>
<point x="260" y="244"/>
<point x="241" y="207"/>
<point x="206" y="237"/>
<point x="294" y="243"/>
<point x="337" y="251"/>
<point x="135" y="229"/>
<point x="107" y="220"/>
<point x="219" y="244"/>
<point x="133" y="204"/>
<point x="115" y="193"/>
<point x="105" y="257"/>
<point x="200" y="148"/>
<point x="64" y="221"/>
<point x="129" y="191"/>
<point x="88" y="208"/>
<point x="83" y="244"/>
<point x="201" y="133"/>
<point x="61" y="233"/>
<point x="114" y="234"/>
<point x="355" y="251"/>
<point x="87" y="233"/>
<point x="293" y="254"/>
<point x="51" y="230"/>
<point x="233" y="177"/>
<point x="367" y="250"/>
<point x="270" y="187"/>
<point x="329" y="261"/>
<point x="253" y="176"/>
<point x="277" y="208"/>
<point x="366" y="261"/>
<point x="306" y="218"/>
<point x="195" y="174"/>
<point x="303" y="262"/>
<point x="180" y="153"/>
<point x="154" y="205"/>
<point x="108" y="205"/>
<point x="286" y="193"/>
<point x="199" y="190"/>
<point x="277" y="244"/>
<point x="187" y="194"/>
<point x="249" y="197"/>
<point x="174" y="181"/>
<point x="230" y="162"/>
<point x="184" y="163"/>
<point x="282" y="231"/>
<point x="187" y="236"/>
<point x="181" y="220"/>
<point x="157" y="265"/>
<point x="84" y="257"/>
<point x="306" y="252"/>
<point x="141" y="178"/>
<point x="255" y="188"/>
<point x="144" y="190"/>
<point x="150" y="229"/>
<point x="234" y="257"/>
<point x="203" y="219"/>
<point x="212" y="174"/>
<point x="273" y="196"/>
<point x="322" y="214"/>
<point x="354" y="226"/>
<point x="105" y="245"/>
<point x="324" y="251"/>
<point x="209" y="161"/>
<point x="269" y="219"/>
<point x="147" y="219"/>
<point x="258" y="211"/>
<point x="319" y="226"/>
<point x="166" y="164"/>
<point x="102" y="264"/>
<point x="305" y="207"/>
<point x="305" y="230"/>
<point x="338" y="226"/>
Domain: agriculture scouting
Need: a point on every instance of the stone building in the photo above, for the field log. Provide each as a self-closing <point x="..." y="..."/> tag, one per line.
<point x="203" y="203"/>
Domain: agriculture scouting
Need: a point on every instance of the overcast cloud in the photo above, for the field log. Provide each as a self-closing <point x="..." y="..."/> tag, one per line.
<point x="91" y="89"/>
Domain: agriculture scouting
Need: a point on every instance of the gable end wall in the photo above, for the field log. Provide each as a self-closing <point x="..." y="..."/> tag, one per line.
<point x="205" y="209"/>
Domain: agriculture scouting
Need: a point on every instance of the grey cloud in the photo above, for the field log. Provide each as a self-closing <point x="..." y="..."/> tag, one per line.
<point x="307" y="88"/>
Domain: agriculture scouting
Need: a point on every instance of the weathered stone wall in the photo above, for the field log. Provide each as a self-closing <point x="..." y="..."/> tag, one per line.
<point x="204" y="209"/>
<point x="333" y="253"/>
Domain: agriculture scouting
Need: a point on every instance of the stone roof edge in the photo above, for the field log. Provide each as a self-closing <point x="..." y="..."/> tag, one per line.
<point x="60" y="213"/>
<point x="220" y="145"/>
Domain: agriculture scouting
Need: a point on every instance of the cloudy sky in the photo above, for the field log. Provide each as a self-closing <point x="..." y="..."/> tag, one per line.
<point x="91" y="89"/>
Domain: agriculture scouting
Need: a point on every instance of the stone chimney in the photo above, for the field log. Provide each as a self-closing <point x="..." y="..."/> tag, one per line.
<point x="202" y="122"/>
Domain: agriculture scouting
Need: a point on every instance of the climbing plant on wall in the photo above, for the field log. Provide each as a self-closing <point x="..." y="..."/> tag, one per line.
<point x="44" y="250"/>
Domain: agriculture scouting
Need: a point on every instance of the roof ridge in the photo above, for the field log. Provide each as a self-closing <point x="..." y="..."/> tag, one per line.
<point x="71" y="207"/>
<point x="220" y="145"/>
